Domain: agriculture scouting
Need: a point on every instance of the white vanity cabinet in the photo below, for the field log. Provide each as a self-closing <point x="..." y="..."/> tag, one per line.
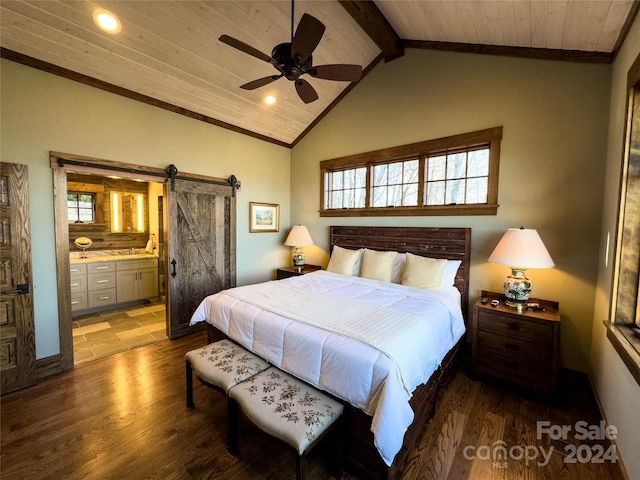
<point x="136" y="279"/>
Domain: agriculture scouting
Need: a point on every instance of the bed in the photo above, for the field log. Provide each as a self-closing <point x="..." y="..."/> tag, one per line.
<point x="388" y="399"/>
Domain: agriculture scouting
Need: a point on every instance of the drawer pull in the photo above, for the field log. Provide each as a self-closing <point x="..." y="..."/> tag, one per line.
<point x="513" y="326"/>
<point x="511" y="365"/>
<point x="103" y="298"/>
<point x="102" y="268"/>
<point x="75" y="303"/>
<point x="511" y="346"/>
<point x="102" y="281"/>
<point x="75" y="284"/>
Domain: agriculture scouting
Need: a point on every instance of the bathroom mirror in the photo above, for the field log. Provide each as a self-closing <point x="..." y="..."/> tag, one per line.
<point x="127" y="212"/>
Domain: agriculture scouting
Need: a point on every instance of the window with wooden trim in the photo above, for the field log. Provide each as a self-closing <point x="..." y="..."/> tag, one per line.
<point x="455" y="175"/>
<point x="81" y="207"/>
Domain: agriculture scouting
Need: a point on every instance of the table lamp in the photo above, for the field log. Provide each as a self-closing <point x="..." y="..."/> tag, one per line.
<point x="520" y="248"/>
<point x="298" y="237"/>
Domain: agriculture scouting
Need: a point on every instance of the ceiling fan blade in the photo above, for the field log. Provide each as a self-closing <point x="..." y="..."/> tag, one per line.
<point x="261" y="82"/>
<point x="338" y="72"/>
<point x="305" y="91"/>
<point x="243" y="47"/>
<point x="307" y="37"/>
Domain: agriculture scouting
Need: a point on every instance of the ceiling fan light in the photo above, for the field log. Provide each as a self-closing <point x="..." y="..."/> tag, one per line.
<point x="270" y="100"/>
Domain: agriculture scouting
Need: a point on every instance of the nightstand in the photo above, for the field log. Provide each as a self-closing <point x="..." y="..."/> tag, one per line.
<point x="286" y="272"/>
<point x="520" y="346"/>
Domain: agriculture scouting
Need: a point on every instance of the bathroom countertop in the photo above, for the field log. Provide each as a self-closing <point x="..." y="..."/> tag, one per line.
<point x="108" y="258"/>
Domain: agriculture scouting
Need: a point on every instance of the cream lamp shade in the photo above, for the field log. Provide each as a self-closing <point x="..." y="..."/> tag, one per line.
<point x="520" y="249"/>
<point x="298" y="237"/>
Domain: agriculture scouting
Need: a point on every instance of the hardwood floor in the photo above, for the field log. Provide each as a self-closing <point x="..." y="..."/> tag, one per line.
<point x="124" y="417"/>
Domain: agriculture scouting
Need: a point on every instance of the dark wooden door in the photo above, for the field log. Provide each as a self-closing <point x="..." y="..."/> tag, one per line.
<point x="201" y="259"/>
<point x="17" y="331"/>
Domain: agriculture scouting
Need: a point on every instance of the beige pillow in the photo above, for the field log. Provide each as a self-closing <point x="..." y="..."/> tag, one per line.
<point x="377" y="265"/>
<point x="343" y="260"/>
<point x="423" y="272"/>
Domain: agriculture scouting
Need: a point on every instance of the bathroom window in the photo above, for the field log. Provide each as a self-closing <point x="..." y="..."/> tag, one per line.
<point x="81" y="207"/>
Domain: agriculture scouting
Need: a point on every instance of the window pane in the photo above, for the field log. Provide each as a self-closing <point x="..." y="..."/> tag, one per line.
<point x="478" y="163"/>
<point x="72" y="214"/>
<point x="395" y="196"/>
<point x="348" y="199"/>
<point x="410" y="171"/>
<point x="380" y="197"/>
<point x="86" y="215"/>
<point x="85" y="201"/>
<point x="361" y="196"/>
<point x="477" y="190"/>
<point x="435" y="193"/>
<point x="436" y="168"/>
<point x="411" y="195"/>
<point x="361" y="177"/>
<point x="336" y="199"/>
<point x="456" y="165"/>
<point x="395" y="174"/>
<point x="455" y="192"/>
<point x="380" y="175"/>
<point x="349" y="178"/>
<point x="336" y="180"/>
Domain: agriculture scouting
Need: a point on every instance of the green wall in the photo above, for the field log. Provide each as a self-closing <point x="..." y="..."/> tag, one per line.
<point x="41" y="112"/>
<point x="552" y="161"/>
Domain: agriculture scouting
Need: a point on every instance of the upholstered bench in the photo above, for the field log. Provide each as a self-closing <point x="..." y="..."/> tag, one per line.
<point x="288" y="409"/>
<point x="221" y="365"/>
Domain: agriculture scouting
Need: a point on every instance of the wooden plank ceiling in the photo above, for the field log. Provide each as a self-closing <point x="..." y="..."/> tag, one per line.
<point x="168" y="53"/>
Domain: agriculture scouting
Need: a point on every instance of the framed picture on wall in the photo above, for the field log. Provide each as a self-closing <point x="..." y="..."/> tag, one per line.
<point x="264" y="217"/>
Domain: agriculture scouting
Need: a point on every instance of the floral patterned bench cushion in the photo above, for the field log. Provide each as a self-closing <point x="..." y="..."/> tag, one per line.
<point x="286" y="407"/>
<point x="225" y="364"/>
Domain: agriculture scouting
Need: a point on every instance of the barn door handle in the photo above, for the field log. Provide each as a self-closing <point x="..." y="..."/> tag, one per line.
<point x="23" y="289"/>
<point x="173" y="266"/>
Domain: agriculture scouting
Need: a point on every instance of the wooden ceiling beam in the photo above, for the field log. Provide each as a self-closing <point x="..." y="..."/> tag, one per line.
<point x="374" y="23"/>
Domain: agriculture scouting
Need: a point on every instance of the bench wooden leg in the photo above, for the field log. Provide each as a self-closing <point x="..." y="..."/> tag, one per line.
<point x="189" y="377"/>
<point x="300" y="460"/>
<point x="232" y="426"/>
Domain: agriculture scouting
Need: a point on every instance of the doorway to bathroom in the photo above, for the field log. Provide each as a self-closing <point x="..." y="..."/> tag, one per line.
<point x="116" y="264"/>
<point x="198" y="229"/>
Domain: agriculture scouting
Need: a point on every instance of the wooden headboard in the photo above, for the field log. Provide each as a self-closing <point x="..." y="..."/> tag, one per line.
<point x="449" y="243"/>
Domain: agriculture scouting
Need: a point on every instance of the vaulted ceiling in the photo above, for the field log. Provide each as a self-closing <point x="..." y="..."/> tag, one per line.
<point x="168" y="53"/>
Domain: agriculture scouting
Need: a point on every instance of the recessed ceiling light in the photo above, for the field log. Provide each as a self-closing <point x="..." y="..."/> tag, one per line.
<point x="270" y="100"/>
<point x="106" y="20"/>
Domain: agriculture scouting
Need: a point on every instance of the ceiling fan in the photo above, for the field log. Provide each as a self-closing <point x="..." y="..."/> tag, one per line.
<point x="293" y="59"/>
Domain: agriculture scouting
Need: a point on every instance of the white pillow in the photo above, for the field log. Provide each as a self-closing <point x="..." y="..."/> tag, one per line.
<point x="377" y="265"/>
<point x="423" y="272"/>
<point x="343" y="260"/>
<point x="449" y="274"/>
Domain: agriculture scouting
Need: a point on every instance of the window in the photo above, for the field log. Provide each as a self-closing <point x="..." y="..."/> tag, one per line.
<point x="449" y="176"/>
<point x="80" y="207"/>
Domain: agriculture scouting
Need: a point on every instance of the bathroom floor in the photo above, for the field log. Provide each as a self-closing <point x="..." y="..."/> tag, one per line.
<point x="102" y="334"/>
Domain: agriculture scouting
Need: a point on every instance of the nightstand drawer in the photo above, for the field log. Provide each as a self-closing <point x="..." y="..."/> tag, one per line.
<point x="511" y="345"/>
<point x="514" y="370"/>
<point x="514" y="326"/>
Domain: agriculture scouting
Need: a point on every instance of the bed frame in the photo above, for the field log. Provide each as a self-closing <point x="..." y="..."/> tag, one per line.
<point x="450" y="243"/>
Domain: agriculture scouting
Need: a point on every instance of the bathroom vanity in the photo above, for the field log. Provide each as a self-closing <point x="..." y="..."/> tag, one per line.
<point x="106" y="282"/>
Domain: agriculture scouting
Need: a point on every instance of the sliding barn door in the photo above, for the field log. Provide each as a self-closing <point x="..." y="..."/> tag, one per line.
<point x="201" y="258"/>
<point x="17" y="333"/>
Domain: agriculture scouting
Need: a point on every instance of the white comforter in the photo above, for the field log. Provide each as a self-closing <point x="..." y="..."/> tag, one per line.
<point x="348" y="368"/>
